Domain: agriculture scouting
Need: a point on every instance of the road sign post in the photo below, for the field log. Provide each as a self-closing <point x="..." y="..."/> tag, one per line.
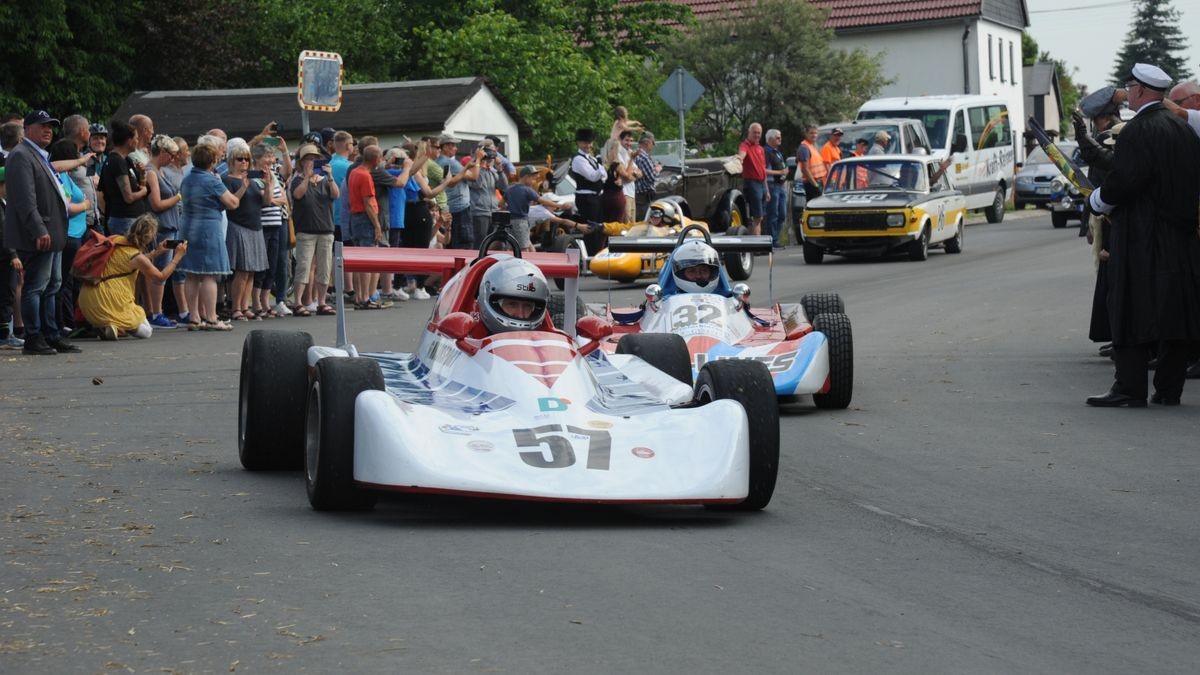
<point x="319" y="85"/>
<point x="681" y="91"/>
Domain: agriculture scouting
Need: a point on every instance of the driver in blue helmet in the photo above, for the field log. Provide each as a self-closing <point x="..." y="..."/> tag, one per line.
<point x="696" y="267"/>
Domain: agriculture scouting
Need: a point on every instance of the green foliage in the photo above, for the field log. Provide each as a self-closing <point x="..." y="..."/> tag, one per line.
<point x="1067" y="89"/>
<point x="1029" y="50"/>
<point x="1154" y="38"/>
<point x="773" y="64"/>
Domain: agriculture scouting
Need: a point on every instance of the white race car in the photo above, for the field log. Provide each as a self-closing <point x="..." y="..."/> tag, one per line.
<point x="528" y="414"/>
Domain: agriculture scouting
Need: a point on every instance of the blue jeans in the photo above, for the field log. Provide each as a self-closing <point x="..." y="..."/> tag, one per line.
<point x="117" y="225"/>
<point x="43" y="278"/>
<point x="776" y="213"/>
<point x="266" y="278"/>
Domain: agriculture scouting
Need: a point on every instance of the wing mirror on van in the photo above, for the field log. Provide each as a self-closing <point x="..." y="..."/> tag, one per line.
<point x="960" y="143"/>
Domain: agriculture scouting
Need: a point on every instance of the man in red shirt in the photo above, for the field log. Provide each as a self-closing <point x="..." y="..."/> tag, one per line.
<point x="365" y="229"/>
<point x="754" y="175"/>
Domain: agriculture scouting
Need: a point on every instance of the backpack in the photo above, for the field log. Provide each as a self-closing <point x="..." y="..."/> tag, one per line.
<point x="92" y="259"/>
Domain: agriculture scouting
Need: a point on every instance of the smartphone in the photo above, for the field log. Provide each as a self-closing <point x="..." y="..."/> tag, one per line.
<point x="319" y="165"/>
<point x="172" y="243"/>
<point x="272" y="141"/>
<point x="255" y="173"/>
<point x="274" y="128"/>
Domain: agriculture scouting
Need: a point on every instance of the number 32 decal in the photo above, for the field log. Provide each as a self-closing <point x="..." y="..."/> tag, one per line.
<point x="562" y="451"/>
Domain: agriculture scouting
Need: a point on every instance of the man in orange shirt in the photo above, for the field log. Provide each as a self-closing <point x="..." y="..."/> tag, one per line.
<point x="365" y="228"/>
<point x="832" y="150"/>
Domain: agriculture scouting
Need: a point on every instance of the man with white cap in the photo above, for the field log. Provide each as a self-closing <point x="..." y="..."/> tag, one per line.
<point x="1154" y="253"/>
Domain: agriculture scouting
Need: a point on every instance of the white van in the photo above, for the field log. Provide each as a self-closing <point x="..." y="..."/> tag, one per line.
<point x="975" y="130"/>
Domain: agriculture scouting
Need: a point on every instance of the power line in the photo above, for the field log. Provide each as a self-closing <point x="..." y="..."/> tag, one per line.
<point x="1080" y="7"/>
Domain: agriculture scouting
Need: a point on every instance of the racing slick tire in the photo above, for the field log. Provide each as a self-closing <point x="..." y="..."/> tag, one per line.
<point x="272" y="386"/>
<point x="556" y="307"/>
<point x="665" y="351"/>
<point x="748" y="383"/>
<point x="739" y="265"/>
<point x="955" y="244"/>
<point x="995" y="212"/>
<point x="918" y="249"/>
<point x="813" y="254"/>
<point x="815" y="304"/>
<point x="836" y="328"/>
<point x="329" y="433"/>
<point x="1058" y="219"/>
<point x="562" y="243"/>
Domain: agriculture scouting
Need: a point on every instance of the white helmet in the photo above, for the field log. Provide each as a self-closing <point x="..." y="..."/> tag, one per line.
<point x="667" y="210"/>
<point x="696" y="253"/>
<point x="514" y="279"/>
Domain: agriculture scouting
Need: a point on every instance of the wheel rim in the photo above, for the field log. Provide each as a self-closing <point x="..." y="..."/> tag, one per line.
<point x="312" y="432"/>
<point x="735" y="216"/>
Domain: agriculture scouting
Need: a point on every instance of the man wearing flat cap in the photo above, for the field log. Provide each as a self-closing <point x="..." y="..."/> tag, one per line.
<point x="35" y="224"/>
<point x="1154" y="250"/>
<point x="589" y="176"/>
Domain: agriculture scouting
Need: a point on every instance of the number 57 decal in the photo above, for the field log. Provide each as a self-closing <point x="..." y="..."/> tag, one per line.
<point x="562" y="450"/>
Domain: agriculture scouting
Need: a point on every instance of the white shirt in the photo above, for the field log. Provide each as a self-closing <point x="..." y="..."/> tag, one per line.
<point x="623" y="158"/>
<point x="583" y="165"/>
<point x="1194" y="121"/>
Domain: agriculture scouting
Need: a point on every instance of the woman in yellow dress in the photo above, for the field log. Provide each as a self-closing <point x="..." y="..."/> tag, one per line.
<point x="110" y="306"/>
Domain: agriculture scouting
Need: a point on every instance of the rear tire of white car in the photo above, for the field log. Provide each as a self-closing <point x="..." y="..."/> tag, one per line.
<point x="815" y="304"/>
<point x="836" y="328"/>
<point x="556" y="307"/>
<point x="955" y="243"/>
<point x="329" y="432"/>
<point x="813" y="254"/>
<point x="665" y="351"/>
<point x="918" y="249"/>
<point x="739" y="265"/>
<point x="995" y="212"/>
<point x="271" y="392"/>
<point x="748" y="383"/>
<point x="562" y="243"/>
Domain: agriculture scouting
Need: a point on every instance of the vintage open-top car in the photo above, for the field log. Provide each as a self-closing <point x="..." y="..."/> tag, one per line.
<point x="877" y="204"/>
<point x="503" y="406"/>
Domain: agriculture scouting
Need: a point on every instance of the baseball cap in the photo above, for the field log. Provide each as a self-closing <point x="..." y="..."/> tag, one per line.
<point x="447" y="138"/>
<point x="314" y="137"/>
<point x="527" y="170"/>
<point x="837" y="131"/>
<point x="41" y="117"/>
<point x="98" y="129"/>
<point x="327" y="135"/>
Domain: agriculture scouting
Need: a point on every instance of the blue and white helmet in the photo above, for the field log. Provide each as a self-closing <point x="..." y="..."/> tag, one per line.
<point x="516" y="279"/>
<point x="696" y="253"/>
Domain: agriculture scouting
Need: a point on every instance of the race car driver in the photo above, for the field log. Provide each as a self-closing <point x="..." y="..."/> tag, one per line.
<point x="696" y="267"/>
<point x="512" y="296"/>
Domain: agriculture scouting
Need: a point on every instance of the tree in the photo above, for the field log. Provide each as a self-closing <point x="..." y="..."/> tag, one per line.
<point x="1154" y="38"/>
<point x="1067" y="89"/>
<point x="773" y="64"/>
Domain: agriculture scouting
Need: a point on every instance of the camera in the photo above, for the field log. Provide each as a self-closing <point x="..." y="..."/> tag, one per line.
<point x="501" y="219"/>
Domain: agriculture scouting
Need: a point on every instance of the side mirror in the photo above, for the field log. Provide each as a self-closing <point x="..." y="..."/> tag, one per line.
<point x="742" y="293"/>
<point x="457" y="326"/>
<point x="653" y="296"/>
<point x="594" y="329"/>
<point x="960" y="143"/>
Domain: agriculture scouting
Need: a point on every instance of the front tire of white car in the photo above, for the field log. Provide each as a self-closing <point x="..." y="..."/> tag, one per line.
<point x="329" y="432"/>
<point x="748" y="383"/>
<point x="836" y="328"/>
<point x="271" y="391"/>
<point x="815" y="304"/>
<point x="665" y="351"/>
<point x="955" y="243"/>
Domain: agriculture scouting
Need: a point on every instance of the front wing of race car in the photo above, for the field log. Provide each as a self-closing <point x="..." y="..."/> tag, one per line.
<point x="680" y="455"/>
<point x="798" y="366"/>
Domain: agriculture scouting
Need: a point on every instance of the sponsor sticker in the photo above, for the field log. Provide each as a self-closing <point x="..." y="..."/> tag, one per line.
<point x="599" y="424"/>
<point x="459" y="429"/>
<point x="551" y="404"/>
<point x="481" y="446"/>
<point x="643" y="453"/>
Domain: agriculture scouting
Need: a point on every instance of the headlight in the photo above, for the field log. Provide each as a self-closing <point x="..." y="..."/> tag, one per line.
<point x="1024" y="180"/>
<point x="1058" y="185"/>
<point x="895" y="219"/>
<point x="816" y="222"/>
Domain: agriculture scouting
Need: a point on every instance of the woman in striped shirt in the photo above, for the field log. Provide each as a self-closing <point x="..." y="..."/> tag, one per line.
<point x="274" y="233"/>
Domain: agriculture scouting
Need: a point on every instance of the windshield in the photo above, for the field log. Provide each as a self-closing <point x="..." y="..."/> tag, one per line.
<point x="877" y="174"/>
<point x="866" y="132"/>
<point x="937" y="122"/>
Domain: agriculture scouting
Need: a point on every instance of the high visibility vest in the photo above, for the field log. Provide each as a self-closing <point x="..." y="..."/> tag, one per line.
<point x="816" y="165"/>
<point x="830" y="152"/>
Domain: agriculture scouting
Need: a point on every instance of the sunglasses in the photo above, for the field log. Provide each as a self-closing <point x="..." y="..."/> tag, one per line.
<point x="241" y="159"/>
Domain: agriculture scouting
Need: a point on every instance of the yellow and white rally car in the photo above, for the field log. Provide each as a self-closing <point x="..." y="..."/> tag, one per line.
<point x="876" y="204"/>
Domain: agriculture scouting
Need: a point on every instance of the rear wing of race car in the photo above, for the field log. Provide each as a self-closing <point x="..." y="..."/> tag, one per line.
<point x="444" y="262"/>
<point x="723" y="244"/>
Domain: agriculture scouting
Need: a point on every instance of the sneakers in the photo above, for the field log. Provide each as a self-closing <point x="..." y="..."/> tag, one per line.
<point x="282" y="309"/>
<point x="420" y="294"/>
<point x="109" y="333"/>
<point x="399" y="294"/>
<point x="63" y="346"/>
<point x="185" y="317"/>
<point x="158" y="321"/>
<point x="35" y="345"/>
<point x="11" y="342"/>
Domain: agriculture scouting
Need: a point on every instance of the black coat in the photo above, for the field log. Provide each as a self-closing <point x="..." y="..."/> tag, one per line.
<point x="1154" y="268"/>
<point x="36" y="205"/>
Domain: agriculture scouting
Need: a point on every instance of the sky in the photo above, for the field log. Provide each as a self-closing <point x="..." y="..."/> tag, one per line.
<point x="1089" y="39"/>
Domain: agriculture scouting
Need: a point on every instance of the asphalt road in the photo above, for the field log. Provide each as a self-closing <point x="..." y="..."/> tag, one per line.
<point x="968" y="514"/>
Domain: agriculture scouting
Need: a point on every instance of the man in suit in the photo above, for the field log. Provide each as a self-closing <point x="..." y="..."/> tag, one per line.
<point x="1153" y="295"/>
<point x="35" y="224"/>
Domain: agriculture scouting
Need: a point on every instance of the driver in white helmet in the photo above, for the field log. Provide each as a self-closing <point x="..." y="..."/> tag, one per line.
<point x="696" y="267"/>
<point x="513" y="296"/>
<point x="663" y="213"/>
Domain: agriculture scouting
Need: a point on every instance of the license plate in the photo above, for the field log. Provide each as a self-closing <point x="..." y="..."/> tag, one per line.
<point x="1043" y="191"/>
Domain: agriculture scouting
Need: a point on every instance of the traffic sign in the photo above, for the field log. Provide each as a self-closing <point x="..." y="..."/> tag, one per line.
<point x="320" y="81"/>
<point x="681" y="91"/>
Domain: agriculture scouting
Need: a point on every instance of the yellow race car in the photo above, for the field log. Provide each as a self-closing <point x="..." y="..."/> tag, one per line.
<point x="665" y="218"/>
